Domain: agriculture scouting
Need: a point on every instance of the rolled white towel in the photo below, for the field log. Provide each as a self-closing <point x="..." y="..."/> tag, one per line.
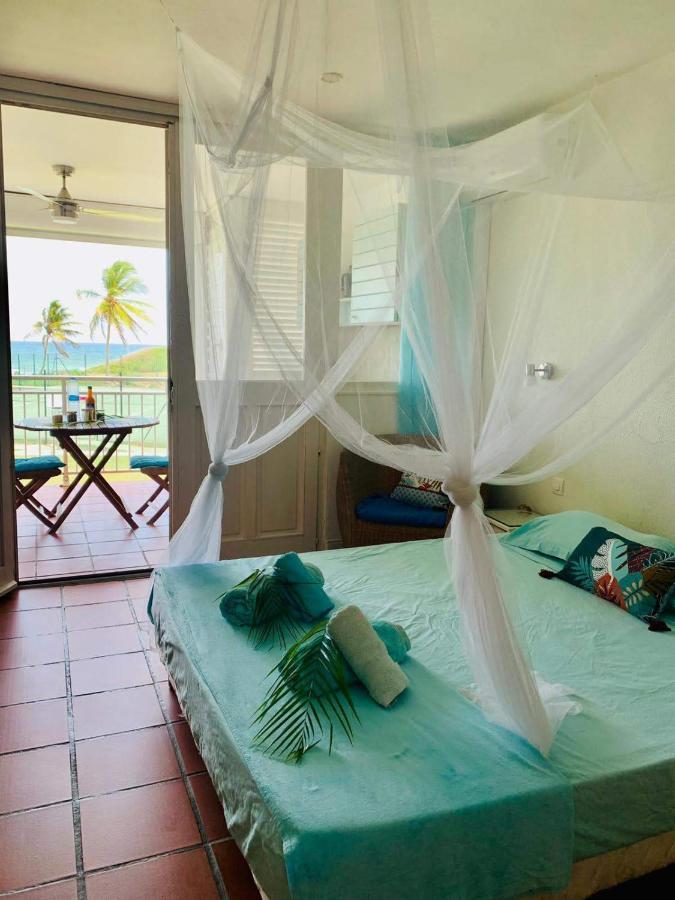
<point x="367" y="655"/>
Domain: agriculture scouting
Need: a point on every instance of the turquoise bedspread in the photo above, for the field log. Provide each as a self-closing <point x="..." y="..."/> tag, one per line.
<point x="432" y="800"/>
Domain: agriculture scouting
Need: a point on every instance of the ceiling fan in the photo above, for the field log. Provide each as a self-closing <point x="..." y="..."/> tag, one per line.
<point x="65" y="210"/>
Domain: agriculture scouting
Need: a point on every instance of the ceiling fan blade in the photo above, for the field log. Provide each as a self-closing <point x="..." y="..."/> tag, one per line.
<point x="25" y="190"/>
<point x="112" y="214"/>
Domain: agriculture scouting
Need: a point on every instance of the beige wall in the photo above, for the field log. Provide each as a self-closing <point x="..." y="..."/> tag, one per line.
<point x="630" y="476"/>
<point x="599" y="247"/>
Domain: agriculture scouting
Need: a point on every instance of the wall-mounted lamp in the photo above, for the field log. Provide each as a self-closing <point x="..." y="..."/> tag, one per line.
<point x="542" y="370"/>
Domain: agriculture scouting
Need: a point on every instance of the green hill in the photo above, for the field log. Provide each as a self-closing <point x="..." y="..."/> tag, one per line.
<point x="141" y="362"/>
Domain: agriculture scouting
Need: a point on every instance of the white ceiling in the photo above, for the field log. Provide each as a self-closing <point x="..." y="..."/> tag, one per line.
<point x="118" y="166"/>
<point x="114" y="161"/>
<point x="497" y="61"/>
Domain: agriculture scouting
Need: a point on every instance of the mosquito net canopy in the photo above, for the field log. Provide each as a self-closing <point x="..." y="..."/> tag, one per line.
<point x="396" y="279"/>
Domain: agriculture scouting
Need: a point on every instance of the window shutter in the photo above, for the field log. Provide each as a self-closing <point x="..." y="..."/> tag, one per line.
<point x="376" y="246"/>
<point x="279" y="278"/>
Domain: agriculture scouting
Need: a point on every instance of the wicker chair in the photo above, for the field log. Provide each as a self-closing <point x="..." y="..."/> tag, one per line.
<point x="359" y="478"/>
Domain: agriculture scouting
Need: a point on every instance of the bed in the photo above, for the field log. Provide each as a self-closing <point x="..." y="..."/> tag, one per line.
<point x="432" y="800"/>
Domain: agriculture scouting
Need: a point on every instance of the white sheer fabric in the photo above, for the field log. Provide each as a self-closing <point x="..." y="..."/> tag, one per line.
<point x="483" y="250"/>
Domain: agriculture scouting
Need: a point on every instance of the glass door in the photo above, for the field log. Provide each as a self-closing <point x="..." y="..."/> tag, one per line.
<point x="85" y="329"/>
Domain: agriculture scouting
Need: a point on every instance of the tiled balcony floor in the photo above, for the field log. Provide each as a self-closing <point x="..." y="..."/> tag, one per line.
<point x="94" y="538"/>
<point x="103" y="793"/>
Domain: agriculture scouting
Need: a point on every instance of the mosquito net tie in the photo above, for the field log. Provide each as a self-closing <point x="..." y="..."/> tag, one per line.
<point x="460" y="493"/>
<point x="218" y="470"/>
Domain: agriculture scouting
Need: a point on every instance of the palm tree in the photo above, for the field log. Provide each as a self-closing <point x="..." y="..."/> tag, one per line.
<point x="117" y="309"/>
<point x="56" y="325"/>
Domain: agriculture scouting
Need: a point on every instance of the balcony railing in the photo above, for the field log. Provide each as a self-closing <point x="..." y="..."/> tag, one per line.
<point x="119" y="395"/>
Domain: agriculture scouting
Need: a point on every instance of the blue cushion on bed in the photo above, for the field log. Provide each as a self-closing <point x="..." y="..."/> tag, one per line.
<point x="388" y="511"/>
<point x="149" y="462"/>
<point x="37" y="464"/>
<point x="636" y="578"/>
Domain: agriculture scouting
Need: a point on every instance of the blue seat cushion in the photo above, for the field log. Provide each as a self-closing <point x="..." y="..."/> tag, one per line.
<point x="149" y="462"/>
<point x="37" y="464"/>
<point x="387" y="511"/>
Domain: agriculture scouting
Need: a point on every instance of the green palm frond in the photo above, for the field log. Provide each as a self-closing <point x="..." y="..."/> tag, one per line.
<point x="119" y="309"/>
<point x="309" y="696"/>
<point x="96" y="322"/>
<point x="56" y="324"/>
<point x="272" y="621"/>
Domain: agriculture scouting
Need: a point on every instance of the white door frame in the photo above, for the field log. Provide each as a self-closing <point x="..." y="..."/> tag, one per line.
<point x="8" y="565"/>
<point x="52" y="97"/>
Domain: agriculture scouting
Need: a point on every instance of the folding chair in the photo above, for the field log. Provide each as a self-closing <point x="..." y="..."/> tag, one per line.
<point x="37" y="471"/>
<point x="157" y="468"/>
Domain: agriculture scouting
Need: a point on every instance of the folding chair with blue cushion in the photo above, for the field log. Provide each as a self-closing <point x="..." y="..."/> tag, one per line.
<point x="157" y="468"/>
<point x="37" y="471"/>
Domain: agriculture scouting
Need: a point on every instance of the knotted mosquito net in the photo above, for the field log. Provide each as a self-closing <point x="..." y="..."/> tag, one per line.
<point x="397" y="278"/>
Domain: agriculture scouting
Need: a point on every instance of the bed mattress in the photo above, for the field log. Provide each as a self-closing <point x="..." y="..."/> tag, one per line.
<point x="609" y="781"/>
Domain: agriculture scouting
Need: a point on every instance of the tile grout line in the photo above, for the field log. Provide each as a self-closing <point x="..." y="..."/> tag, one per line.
<point x="75" y="790"/>
<point x="210" y="855"/>
<point x="205" y="843"/>
<point x="101" y="870"/>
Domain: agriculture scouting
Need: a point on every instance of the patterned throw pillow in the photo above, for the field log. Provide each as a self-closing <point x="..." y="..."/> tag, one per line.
<point x="416" y="490"/>
<point x="639" y="579"/>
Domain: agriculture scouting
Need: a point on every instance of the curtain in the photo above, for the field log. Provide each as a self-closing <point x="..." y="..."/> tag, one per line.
<point x="556" y="195"/>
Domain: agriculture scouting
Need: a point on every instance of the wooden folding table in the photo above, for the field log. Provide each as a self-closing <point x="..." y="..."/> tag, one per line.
<point x="112" y="432"/>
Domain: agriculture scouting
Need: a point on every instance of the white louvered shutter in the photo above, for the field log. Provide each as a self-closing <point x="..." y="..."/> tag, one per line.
<point x="279" y="277"/>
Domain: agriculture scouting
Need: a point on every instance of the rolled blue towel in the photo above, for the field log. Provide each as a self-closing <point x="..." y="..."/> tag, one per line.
<point x="288" y="584"/>
<point x="236" y="605"/>
<point x="306" y="582"/>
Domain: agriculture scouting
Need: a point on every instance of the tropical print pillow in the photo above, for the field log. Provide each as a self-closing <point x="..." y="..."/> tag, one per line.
<point x="416" y="490"/>
<point x="639" y="579"/>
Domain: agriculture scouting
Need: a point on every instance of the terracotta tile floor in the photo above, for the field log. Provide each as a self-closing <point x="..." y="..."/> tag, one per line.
<point x="94" y="538"/>
<point x="103" y="793"/>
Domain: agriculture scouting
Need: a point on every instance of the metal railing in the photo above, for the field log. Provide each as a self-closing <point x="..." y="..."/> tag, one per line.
<point x="118" y="395"/>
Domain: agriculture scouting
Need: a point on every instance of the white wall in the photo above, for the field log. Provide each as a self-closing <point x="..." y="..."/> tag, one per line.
<point x="630" y="476"/>
<point x="599" y="247"/>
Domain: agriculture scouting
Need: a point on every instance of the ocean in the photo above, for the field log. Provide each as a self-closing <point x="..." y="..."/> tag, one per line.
<point x="27" y="357"/>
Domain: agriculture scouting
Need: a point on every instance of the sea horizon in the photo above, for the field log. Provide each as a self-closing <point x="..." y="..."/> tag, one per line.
<point x="27" y="356"/>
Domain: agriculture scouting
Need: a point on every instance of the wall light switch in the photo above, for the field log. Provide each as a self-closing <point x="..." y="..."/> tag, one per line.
<point x="558" y="486"/>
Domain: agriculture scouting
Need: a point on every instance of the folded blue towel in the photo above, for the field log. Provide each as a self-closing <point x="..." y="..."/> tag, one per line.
<point x="395" y="638"/>
<point x="288" y="584"/>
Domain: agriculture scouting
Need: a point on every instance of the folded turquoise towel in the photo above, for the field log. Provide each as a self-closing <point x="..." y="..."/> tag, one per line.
<point x="395" y="639"/>
<point x="288" y="584"/>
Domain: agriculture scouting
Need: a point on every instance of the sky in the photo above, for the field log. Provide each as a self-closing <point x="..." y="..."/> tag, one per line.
<point x="41" y="270"/>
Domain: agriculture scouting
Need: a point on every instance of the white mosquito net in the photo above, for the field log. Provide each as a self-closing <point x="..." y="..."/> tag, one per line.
<point x="395" y="279"/>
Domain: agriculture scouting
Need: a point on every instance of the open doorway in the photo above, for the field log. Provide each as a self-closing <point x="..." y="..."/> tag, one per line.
<point x="86" y="260"/>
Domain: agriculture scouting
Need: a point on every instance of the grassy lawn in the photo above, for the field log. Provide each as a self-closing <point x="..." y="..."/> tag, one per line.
<point x="152" y="361"/>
